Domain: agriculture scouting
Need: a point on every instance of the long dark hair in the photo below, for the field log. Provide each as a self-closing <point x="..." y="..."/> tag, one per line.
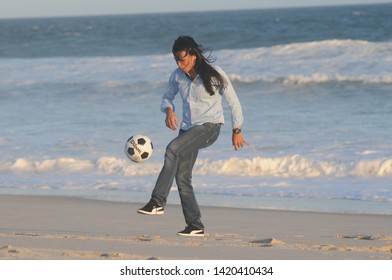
<point x="210" y="77"/>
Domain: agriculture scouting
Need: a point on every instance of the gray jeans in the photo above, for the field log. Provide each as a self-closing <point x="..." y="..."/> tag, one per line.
<point x="180" y="157"/>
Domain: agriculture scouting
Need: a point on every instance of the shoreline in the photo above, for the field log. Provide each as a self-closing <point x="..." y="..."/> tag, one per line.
<point x="56" y="227"/>
<point x="296" y="204"/>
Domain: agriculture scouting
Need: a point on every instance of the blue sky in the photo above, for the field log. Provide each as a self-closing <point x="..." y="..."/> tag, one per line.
<point x="50" y="8"/>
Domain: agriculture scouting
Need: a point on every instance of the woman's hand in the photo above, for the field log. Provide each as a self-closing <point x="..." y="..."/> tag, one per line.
<point x="171" y="119"/>
<point x="238" y="141"/>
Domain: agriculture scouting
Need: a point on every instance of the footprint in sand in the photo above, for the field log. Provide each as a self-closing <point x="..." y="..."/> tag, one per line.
<point x="146" y="238"/>
<point x="359" y="236"/>
<point x="267" y="242"/>
<point x="9" y="249"/>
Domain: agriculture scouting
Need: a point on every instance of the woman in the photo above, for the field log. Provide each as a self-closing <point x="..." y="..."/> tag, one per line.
<point x="201" y="87"/>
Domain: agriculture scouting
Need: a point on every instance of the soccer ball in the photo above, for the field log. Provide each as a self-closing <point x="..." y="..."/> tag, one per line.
<point x="138" y="148"/>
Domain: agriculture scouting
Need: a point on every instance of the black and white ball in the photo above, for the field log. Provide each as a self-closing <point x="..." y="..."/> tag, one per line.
<point x="138" y="148"/>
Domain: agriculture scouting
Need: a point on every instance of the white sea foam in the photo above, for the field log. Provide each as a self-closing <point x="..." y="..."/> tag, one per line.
<point x="295" y="166"/>
<point x="24" y="165"/>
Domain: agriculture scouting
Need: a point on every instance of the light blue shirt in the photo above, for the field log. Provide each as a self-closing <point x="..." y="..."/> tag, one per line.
<point x="198" y="105"/>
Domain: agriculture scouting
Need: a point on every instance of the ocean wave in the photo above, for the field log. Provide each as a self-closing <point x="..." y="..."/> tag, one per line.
<point x="294" y="166"/>
<point x="296" y="63"/>
<point x="312" y="62"/>
<point x="315" y="78"/>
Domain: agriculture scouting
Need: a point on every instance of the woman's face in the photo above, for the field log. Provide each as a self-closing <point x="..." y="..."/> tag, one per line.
<point x="185" y="61"/>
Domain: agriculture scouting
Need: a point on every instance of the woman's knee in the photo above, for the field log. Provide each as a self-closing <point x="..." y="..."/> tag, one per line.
<point x="174" y="147"/>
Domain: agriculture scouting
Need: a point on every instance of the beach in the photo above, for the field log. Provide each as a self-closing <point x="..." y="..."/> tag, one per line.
<point x="70" y="228"/>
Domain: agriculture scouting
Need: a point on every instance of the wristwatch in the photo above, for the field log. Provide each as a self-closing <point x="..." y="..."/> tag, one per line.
<point x="236" y="130"/>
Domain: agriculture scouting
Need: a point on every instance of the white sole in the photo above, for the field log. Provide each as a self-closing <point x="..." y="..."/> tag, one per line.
<point x="151" y="213"/>
<point x="193" y="233"/>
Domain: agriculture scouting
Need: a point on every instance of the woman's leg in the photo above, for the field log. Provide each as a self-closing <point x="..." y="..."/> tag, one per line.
<point x="184" y="147"/>
<point x="190" y="207"/>
<point x="183" y="178"/>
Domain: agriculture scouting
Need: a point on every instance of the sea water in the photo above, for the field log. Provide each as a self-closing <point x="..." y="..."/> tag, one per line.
<point x="315" y="85"/>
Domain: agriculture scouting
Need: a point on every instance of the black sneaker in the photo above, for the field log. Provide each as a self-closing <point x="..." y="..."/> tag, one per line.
<point x="191" y="230"/>
<point x="151" y="208"/>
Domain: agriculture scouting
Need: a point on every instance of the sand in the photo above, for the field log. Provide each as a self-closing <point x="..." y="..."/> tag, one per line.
<point x="68" y="228"/>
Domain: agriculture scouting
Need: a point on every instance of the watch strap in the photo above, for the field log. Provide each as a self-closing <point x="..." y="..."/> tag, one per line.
<point x="236" y="130"/>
